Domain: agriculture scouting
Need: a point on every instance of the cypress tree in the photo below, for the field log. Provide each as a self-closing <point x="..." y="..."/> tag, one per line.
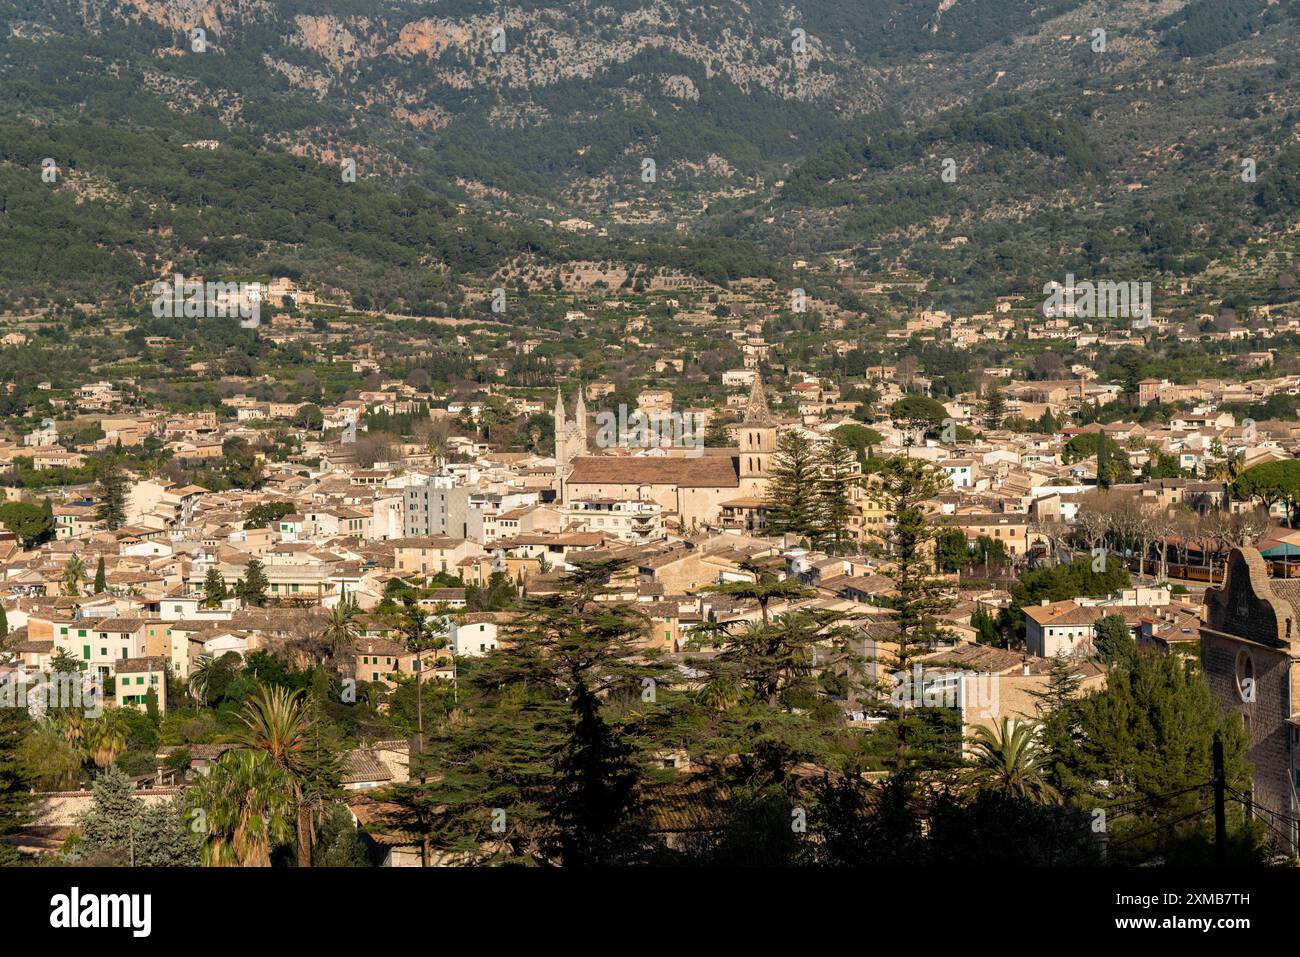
<point x="594" y="805"/>
<point x="717" y="436"/>
<point x="214" y="588"/>
<point x="1114" y="641"/>
<point x="252" y="589"/>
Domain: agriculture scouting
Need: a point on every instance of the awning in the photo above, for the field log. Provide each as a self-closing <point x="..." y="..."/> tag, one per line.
<point x="1283" y="550"/>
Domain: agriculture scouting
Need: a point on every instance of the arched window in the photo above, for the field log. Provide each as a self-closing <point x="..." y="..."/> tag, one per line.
<point x="1245" y="676"/>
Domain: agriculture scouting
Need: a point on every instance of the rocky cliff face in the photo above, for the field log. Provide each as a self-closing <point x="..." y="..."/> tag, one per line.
<point x="541" y="46"/>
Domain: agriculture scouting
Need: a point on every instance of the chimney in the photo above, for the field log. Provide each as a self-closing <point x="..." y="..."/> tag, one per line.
<point x="1043" y="602"/>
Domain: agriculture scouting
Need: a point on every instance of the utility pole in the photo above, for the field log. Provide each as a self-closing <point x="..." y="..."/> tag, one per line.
<point x="1220" y="819"/>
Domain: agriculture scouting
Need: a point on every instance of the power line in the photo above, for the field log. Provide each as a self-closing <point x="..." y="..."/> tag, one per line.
<point x="1269" y="821"/>
<point x="1138" y="802"/>
<point x="1162" y="827"/>
<point x="1273" y="829"/>
<point x="1251" y="802"/>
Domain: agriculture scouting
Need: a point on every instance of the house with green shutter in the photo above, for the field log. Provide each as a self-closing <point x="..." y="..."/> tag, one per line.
<point x="136" y="678"/>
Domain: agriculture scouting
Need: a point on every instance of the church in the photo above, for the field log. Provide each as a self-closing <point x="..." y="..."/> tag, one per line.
<point x="570" y="436"/>
<point x="691" y="486"/>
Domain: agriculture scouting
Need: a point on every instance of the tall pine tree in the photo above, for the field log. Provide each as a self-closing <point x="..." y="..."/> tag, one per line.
<point x="542" y="761"/>
<point x="111" y="492"/>
<point x="838" y="476"/>
<point x="15" y="788"/>
<point x="793" y="493"/>
<point x="994" y="408"/>
<point x="1058" y="713"/>
<point x="905" y="487"/>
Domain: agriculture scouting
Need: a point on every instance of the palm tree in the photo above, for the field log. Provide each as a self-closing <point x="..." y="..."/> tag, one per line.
<point x="1229" y="468"/>
<point x="73" y="726"/>
<point x="279" y="723"/>
<point x="74" y="573"/>
<point x="243" y="807"/>
<point x="342" y="630"/>
<point x="1009" y="758"/>
<point x="200" y="674"/>
<point x="106" y="736"/>
<point x="720" y="694"/>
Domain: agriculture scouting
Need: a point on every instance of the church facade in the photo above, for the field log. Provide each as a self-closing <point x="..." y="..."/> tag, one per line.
<point x="571" y="437"/>
<point x="692" y="486"/>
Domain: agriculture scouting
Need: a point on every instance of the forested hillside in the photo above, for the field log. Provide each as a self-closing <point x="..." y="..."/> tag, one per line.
<point x="822" y="128"/>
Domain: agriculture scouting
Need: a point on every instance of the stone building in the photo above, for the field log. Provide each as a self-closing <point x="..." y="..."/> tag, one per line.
<point x="691" y="489"/>
<point x="1251" y="655"/>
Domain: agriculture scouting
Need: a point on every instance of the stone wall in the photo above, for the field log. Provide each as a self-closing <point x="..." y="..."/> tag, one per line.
<point x="1249" y="659"/>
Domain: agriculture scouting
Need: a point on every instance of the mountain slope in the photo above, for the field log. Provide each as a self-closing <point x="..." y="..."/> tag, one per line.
<point x="1067" y="156"/>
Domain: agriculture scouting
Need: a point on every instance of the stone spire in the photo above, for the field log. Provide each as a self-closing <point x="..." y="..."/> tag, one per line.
<point x="580" y="412"/>
<point x="756" y="411"/>
<point x="559" y="411"/>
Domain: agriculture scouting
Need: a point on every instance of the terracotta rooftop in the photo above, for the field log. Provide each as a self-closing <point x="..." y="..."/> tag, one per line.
<point x="140" y="665"/>
<point x="702" y="472"/>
